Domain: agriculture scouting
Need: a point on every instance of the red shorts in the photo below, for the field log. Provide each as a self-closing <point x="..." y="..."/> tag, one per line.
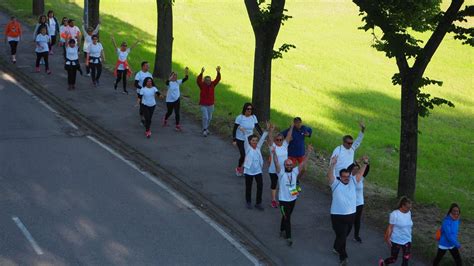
<point x="296" y="160"/>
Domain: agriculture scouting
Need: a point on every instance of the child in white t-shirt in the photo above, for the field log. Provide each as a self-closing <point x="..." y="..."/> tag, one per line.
<point x="42" y="49"/>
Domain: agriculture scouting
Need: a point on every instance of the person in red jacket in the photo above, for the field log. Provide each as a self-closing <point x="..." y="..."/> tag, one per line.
<point x="206" y="98"/>
<point x="13" y="35"/>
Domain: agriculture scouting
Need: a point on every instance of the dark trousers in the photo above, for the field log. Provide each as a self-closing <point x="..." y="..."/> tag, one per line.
<point x="341" y="224"/>
<point x="53" y="42"/>
<point x="71" y="74"/>
<point x="273" y="181"/>
<point x="286" y="208"/>
<point x="170" y="106"/>
<point x="88" y="68"/>
<point x="38" y="59"/>
<point x="148" y="114"/>
<point x="121" y="75"/>
<point x="357" y="219"/>
<point x="454" y="252"/>
<point x="248" y="187"/>
<point x="395" y="249"/>
<point x="95" y="70"/>
<point x="13" y="45"/>
<point x="140" y="108"/>
<point x="240" y="145"/>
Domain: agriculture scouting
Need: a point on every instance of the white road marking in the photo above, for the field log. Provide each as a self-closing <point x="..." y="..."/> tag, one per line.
<point x="185" y="202"/>
<point x="47" y="106"/>
<point x="27" y="235"/>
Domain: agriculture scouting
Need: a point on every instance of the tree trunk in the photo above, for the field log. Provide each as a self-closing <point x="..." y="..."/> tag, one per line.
<point x="164" y="39"/>
<point x="408" y="140"/>
<point x="38" y="7"/>
<point x="262" y="77"/>
<point x="93" y="13"/>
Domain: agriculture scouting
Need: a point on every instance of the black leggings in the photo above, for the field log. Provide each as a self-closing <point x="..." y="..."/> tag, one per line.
<point x="341" y="224"/>
<point x="240" y="145"/>
<point x="273" y="180"/>
<point x="53" y="42"/>
<point x="454" y="252"/>
<point x="38" y="59"/>
<point x="286" y="208"/>
<point x="248" y="187"/>
<point x="121" y="74"/>
<point x="71" y="73"/>
<point x="406" y="250"/>
<point x="148" y="114"/>
<point x="173" y="106"/>
<point x="13" y="45"/>
<point x="358" y="217"/>
<point x="95" y="70"/>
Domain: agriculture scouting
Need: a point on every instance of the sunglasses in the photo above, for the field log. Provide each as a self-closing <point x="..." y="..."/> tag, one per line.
<point x="278" y="139"/>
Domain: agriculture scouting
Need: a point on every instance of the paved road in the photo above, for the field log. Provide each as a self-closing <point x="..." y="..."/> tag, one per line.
<point x="82" y="205"/>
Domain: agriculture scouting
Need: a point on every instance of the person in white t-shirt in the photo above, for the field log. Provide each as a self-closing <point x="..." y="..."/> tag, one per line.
<point x="253" y="166"/>
<point x="354" y="169"/>
<point x="248" y="121"/>
<point x="54" y="30"/>
<point x="42" y="49"/>
<point x="345" y="152"/>
<point x="280" y="144"/>
<point x="94" y="58"/>
<point x="122" y="69"/>
<point x="288" y="175"/>
<point x="173" y="97"/>
<point x="399" y="232"/>
<point x="139" y="78"/>
<point x="71" y="65"/>
<point x="343" y="204"/>
<point x="88" y="41"/>
<point x="148" y="100"/>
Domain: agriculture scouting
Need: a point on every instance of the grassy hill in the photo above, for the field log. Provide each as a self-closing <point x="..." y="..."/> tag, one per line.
<point x="332" y="80"/>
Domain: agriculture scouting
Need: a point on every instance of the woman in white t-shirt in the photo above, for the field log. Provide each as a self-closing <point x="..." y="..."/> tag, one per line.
<point x="88" y="41"/>
<point x="71" y="65"/>
<point x="248" y="121"/>
<point x="288" y="176"/>
<point x="63" y="36"/>
<point x="253" y="166"/>
<point x="148" y="102"/>
<point x="42" y="49"/>
<point x="122" y="69"/>
<point x="94" y="59"/>
<point x="54" y="30"/>
<point x="173" y="97"/>
<point x="354" y="169"/>
<point x="398" y="233"/>
<point x="280" y="145"/>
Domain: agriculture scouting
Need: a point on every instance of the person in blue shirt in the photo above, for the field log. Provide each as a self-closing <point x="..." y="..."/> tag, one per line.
<point x="449" y="236"/>
<point x="296" y="149"/>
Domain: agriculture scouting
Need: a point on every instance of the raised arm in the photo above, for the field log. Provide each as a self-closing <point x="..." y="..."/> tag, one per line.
<point x="360" y="173"/>
<point x="262" y="140"/>
<point x="289" y="134"/>
<point x="186" y="74"/>
<point x="271" y="128"/>
<point x="113" y="42"/>
<point x="360" y="137"/>
<point x="199" y="78"/>
<point x="96" y="30"/>
<point x="135" y="44"/>
<point x="330" y="174"/>
<point x="218" y="76"/>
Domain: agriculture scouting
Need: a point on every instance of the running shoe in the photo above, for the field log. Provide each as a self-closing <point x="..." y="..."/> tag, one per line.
<point x="14" y="61"/>
<point x="381" y="262"/>
<point x="335" y="251"/>
<point x="274" y="204"/>
<point x="204" y="133"/>
<point x="148" y="133"/>
<point x="259" y="207"/>
<point x="37" y="70"/>
<point x="164" y="122"/>
<point x="48" y="72"/>
<point x="178" y="128"/>
<point x="358" y="239"/>
<point x="125" y="92"/>
<point x="208" y="132"/>
<point x="88" y="74"/>
<point x="344" y="262"/>
<point x="289" y="242"/>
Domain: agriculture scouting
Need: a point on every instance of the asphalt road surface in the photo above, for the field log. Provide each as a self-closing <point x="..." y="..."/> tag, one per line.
<point x="65" y="200"/>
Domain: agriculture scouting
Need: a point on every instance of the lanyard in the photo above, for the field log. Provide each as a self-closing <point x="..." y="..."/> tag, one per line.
<point x="290" y="178"/>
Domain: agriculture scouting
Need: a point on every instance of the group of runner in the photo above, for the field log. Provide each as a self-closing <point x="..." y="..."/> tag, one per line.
<point x="289" y="155"/>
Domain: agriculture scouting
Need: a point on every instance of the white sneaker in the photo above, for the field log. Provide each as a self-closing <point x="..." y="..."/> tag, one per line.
<point x="204" y="133"/>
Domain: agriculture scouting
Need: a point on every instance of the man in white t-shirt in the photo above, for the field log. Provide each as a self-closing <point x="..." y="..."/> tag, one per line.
<point x="343" y="205"/>
<point x="288" y="193"/>
<point x="139" y="78"/>
<point x="345" y="152"/>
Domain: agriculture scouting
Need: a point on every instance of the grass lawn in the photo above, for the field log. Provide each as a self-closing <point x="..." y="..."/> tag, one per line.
<point x="332" y="80"/>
